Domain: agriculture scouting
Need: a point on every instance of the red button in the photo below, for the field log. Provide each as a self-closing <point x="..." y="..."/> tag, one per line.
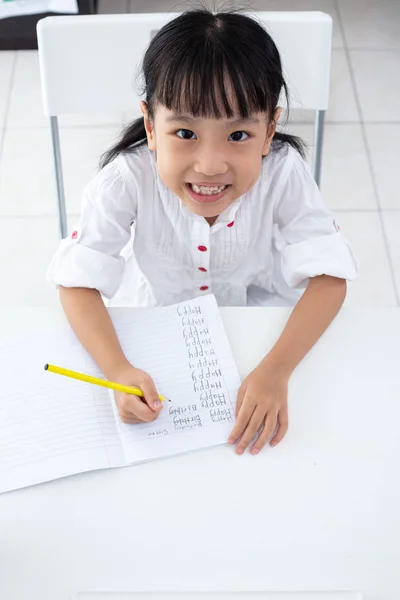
<point x="230" y="224"/>
<point x="202" y="248"/>
<point x="74" y="235"/>
<point x="203" y="269"/>
<point x="204" y="287"/>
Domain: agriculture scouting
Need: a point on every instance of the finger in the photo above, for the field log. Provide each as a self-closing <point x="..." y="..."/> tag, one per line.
<point x="251" y="430"/>
<point x="239" y="399"/>
<point x="150" y="393"/>
<point x="283" y="424"/>
<point x="267" y="431"/>
<point x="242" y="420"/>
<point x="132" y="407"/>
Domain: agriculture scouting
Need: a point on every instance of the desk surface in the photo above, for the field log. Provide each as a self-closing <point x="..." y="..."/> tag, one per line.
<point x="319" y="512"/>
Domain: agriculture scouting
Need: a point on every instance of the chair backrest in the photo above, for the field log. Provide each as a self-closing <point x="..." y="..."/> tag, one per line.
<point x="90" y="63"/>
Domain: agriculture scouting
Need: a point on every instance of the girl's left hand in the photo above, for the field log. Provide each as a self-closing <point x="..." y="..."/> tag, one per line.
<point x="261" y="403"/>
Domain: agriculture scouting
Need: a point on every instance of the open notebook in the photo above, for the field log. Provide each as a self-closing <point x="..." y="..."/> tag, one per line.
<point x="52" y="426"/>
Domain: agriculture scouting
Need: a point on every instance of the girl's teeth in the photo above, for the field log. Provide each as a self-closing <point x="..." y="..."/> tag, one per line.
<point x="207" y="191"/>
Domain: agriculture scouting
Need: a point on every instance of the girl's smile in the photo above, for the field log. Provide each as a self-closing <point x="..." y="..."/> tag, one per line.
<point x="206" y="194"/>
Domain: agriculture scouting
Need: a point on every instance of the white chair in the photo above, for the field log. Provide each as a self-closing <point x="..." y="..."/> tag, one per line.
<point x="88" y="64"/>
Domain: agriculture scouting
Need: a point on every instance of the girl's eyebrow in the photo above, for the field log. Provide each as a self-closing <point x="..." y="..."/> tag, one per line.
<point x="189" y="119"/>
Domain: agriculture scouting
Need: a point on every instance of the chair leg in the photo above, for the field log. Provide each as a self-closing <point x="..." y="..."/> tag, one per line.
<point x="62" y="216"/>
<point x="318" y="143"/>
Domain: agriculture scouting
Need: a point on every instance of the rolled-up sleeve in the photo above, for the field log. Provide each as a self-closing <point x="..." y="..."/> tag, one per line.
<point x="306" y="235"/>
<point x="90" y="256"/>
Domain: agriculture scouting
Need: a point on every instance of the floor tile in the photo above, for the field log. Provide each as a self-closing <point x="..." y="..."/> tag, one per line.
<point x="384" y="146"/>
<point x="26" y="248"/>
<point x="26" y="108"/>
<point x="374" y="286"/>
<point x="346" y="182"/>
<point x="371" y="24"/>
<point x="378" y="84"/>
<point x="27" y="184"/>
<point x="392" y="228"/>
<point x="26" y="173"/>
<point x="342" y="103"/>
<point x="6" y="68"/>
<point x="327" y="6"/>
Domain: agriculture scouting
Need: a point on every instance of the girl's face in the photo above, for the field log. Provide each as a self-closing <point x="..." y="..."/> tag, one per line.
<point x="207" y="162"/>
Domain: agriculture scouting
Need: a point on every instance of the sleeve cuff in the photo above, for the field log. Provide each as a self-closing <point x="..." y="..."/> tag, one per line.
<point x="75" y="265"/>
<point x="326" y="255"/>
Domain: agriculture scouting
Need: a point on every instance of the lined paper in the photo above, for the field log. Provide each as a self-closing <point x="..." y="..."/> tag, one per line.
<point x="185" y="349"/>
<point x="52" y="426"/>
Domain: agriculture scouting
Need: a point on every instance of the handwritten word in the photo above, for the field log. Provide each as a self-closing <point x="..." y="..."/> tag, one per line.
<point x="187" y="321"/>
<point x="209" y="400"/>
<point x="221" y="414"/>
<point x="203" y="362"/>
<point x="207" y="385"/>
<point x="181" y="410"/>
<point x="187" y="309"/>
<point x="198" y="351"/>
<point x="181" y="423"/>
<point x="158" y="432"/>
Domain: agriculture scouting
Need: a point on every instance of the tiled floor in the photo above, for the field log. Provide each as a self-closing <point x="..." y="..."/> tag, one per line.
<point x="361" y="155"/>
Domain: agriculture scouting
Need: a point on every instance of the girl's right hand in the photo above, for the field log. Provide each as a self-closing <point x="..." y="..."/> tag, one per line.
<point x="131" y="408"/>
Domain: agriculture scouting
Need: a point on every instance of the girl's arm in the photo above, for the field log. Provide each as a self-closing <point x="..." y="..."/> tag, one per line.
<point x="93" y="327"/>
<point x="311" y="316"/>
<point x="262" y="397"/>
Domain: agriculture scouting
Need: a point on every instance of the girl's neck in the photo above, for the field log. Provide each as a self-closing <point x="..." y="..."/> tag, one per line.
<point x="211" y="220"/>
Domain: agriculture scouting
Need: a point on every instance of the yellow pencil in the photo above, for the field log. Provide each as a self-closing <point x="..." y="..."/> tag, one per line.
<point x="96" y="381"/>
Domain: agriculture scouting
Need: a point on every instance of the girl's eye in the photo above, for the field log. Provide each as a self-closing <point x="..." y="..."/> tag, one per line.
<point x="237" y="136"/>
<point x="185" y="134"/>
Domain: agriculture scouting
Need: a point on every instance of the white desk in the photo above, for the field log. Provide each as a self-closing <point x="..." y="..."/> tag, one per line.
<point x="319" y="512"/>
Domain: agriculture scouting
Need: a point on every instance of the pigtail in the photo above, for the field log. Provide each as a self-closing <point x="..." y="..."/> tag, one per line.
<point x="134" y="135"/>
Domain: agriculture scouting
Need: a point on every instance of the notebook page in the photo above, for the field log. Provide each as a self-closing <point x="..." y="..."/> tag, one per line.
<point x="52" y="426"/>
<point x="185" y="350"/>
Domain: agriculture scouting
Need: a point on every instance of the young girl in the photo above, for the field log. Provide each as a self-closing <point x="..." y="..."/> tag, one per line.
<point x="200" y="196"/>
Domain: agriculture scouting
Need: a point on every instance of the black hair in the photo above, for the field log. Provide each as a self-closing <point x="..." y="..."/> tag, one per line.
<point x="189" y="62"/>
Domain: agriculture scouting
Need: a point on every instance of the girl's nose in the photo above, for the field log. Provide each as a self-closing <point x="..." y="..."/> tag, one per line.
<point x="210" y="163"/>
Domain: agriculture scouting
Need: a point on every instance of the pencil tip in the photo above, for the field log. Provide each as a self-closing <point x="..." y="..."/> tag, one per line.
<point x="46" y="367"/>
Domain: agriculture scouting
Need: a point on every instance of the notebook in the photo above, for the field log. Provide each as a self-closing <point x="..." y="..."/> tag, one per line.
<point x="53" y="426"/>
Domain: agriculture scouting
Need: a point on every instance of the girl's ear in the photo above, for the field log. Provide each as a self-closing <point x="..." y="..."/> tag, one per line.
<point x="271" y="131"/>
<point x="148" y="125"/>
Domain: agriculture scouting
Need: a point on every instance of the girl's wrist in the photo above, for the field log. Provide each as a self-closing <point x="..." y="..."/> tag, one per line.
<point x="117" y="369"/>
<point x="277" y="365"/>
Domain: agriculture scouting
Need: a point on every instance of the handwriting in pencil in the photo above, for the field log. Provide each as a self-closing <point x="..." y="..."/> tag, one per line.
<point x="209" y="399"/>
<point x="157" y="432"/>
<point x="203" y="364"/>
<point x="187" y="422"/>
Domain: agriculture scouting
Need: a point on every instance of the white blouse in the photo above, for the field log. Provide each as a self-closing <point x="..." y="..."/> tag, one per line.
<point x="139" y="245"/>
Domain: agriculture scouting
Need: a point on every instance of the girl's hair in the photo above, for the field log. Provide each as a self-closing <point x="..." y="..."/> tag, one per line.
<point x="192" y="62"/>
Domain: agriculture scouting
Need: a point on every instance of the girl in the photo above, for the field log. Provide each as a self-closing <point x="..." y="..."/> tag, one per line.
<point x="217" y="202"/>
